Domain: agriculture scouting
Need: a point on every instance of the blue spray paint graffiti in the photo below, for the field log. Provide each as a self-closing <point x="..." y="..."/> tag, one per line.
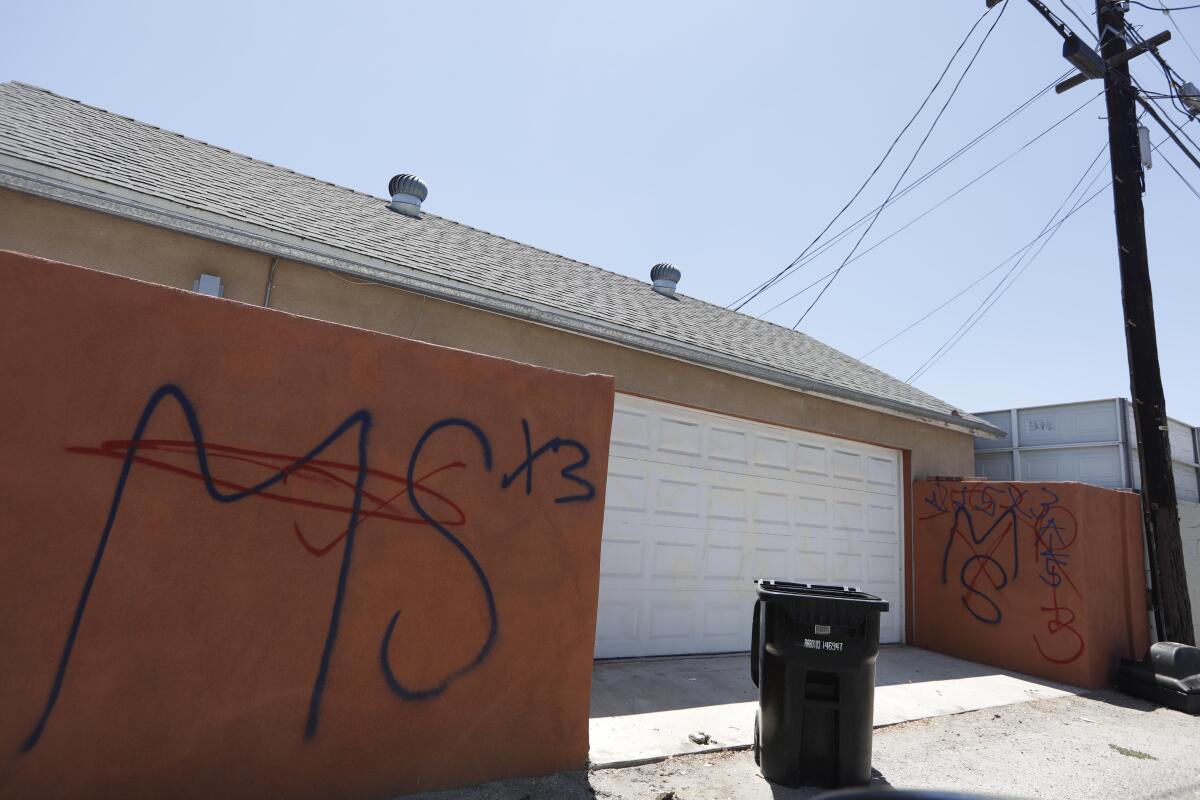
<point x="360" y="422"/>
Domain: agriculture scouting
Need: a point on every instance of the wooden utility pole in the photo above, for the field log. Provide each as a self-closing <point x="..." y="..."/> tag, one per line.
<point x="1173" y="610"/>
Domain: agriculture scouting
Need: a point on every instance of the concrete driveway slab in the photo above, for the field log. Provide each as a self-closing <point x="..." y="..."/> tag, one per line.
<point x="644" y="710"/>
<point x="1097" y="745"/>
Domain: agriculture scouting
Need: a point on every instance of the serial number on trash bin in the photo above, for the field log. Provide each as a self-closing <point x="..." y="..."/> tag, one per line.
<point x="818" y="644"/>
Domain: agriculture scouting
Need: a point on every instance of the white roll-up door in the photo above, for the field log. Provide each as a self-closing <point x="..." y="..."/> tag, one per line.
<point x="699" y="504"/>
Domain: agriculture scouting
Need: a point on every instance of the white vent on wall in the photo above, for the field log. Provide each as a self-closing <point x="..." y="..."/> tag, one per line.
<point x="208" y="284"/>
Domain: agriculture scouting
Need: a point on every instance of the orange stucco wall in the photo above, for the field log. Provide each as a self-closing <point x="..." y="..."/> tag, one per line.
<point x="214" y="581"/>
<point x="1041" y="578"/>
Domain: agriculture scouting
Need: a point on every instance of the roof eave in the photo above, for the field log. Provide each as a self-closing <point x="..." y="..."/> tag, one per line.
<point x="36" y="179"/>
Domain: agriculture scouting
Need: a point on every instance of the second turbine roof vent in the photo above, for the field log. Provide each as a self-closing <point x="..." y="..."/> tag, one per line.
<point x="408" y="192"/>
<point x="665" y="278"/>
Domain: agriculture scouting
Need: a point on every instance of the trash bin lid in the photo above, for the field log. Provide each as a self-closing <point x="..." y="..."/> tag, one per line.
<point x="818" y="591"/>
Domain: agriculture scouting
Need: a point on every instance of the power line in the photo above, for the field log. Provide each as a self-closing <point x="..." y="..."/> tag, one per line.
<point x="1164" y="8"/>
<point x="1180" y="174"/>
<point x="1174" y="80"/>
<point x="939" y="204"/>
<point x="977" y="315"/>
<point x="1052" y="18"/>
<point x="1150" y="109"/>
<point x="984" y="306"/>
<point x="1017" y="277"/>
<point x="994" y="295"/>
<point x="1016" y="254"/>
<point x="771" y="281"/>
<point x="908" y="166"/>
<point x="828" y="243"/>
<point x="1082" y="21"/>
<point x="1179" y="30"/>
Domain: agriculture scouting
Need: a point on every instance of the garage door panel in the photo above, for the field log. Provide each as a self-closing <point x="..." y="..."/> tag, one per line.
<point x="768" y="558"/>
<point x="622" y="555"/>
<point x="679" y="436"/>
<point x="883" y="521"/>
<point x="824" y="480"/>
<point x="881" y="473"/>
<point x="728" y="503"/>
<point x="811" y="560"/>
<point x="725" y="561"/>
<point x="771" y="509"/>
<point x="724" y="622"/>
<point x="881" y="566"/>
<point x="811" y="512"/>
<point x="705" y="504"/>
<point x="618" y="627"/>
<point x="628" y="485"/>
<point x="729" y="445"/>
<point x="771" y="454"/>
<point x="677" y="556"/>
<point x="846" y="566"/>
<point x="848" y="465"/>
<point x="708" y="441"/>
<point x="812" y="459"/>
<point x="661" y="624"/>
<point x="677" y="496"/>
<point x="848" y="515"/>
<point x="631" y="429"/>
<point x="671" y="623"/>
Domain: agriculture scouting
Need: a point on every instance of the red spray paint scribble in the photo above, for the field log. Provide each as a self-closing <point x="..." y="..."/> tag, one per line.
<point x="1048" y="529"/>
<point x="322" y="551"/>
<point x="318" y="471"/>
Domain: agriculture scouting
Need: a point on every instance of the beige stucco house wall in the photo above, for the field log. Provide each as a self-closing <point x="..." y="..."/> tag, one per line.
<point x="94" y="239"/>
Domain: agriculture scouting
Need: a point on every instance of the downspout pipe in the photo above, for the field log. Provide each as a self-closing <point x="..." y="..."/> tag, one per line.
<point x="270" y="283"/>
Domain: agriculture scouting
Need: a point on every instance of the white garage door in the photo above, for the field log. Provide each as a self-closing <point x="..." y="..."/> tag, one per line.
<point x="700" y="504"/>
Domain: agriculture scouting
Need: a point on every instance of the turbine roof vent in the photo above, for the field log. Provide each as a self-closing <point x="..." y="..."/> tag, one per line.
<point x="408" y="192"/>
<point x="664" y="278"/>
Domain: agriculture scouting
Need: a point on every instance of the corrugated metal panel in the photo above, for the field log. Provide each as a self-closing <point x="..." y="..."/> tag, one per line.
<point x="1003" y="421"/>
<point x="1077" y="423"/>
<point x="1183" y="454"/>
<point x="1081" y="442"/>
<point x="994" y="466"/>
<point x="1099" y="466"/>
<point x="1189" y="529"/>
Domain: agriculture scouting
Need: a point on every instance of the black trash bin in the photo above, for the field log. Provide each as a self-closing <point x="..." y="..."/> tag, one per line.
<point x="812" y="657"/>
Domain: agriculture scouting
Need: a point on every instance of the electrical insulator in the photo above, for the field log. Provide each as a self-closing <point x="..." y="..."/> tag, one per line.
<point x="1189" y="95"/>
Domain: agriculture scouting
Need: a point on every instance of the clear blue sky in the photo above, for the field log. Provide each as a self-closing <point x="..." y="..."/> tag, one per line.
<point x="719" y="137"/>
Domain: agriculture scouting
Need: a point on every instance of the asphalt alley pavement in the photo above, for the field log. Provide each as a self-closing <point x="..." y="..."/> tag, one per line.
<point x="1097" y="745"/>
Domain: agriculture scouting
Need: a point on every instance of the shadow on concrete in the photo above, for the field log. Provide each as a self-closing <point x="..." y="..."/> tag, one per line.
<point x="638" y="686"/>
<point x="578" y="785"/>
<point x="878" y="782"/>
<point x="569" y="785"/>
<point x="1113" y="697"/>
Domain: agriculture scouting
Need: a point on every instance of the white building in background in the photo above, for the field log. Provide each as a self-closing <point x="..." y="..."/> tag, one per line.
<point x="1094" y="442"/>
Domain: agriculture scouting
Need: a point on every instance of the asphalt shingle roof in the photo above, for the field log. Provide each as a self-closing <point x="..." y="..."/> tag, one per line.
<point x="41" y="127"/>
